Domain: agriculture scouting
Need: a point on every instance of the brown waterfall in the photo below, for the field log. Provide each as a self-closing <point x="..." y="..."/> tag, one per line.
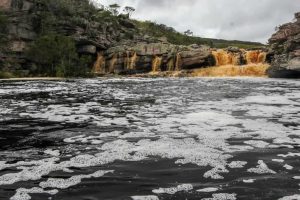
<point x="156" y="64"/>
<point x="99" y="66"/>
<point x="127" y="60"/>
<point x="223" y="57"/>
<point x="133" y="59"/>
<point x="170" y="65"/>
<point x="178" y="62"/>
<point x="112" y="63"/>
<point x="255" y="57"/>
<point x="130" y="61"/>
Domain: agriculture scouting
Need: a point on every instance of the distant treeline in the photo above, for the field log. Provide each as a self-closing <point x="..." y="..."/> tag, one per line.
<point x="175" y="37"/>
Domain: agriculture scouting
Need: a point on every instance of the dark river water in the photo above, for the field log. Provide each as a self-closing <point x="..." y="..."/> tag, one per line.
<point x="150" y="139"/>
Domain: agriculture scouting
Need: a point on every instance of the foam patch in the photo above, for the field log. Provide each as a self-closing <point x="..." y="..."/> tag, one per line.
<point x="222" y="196"/>
<point x="173" y="190"/>
<point x="261" y="168"/>
<point x="207" y="190"/>
<point x="23" y="194"/>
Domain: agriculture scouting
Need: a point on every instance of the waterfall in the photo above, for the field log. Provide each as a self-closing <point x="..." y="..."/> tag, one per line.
<point x="133" y="59"/>
<point x="156" y="64"/>
<point x="223" y="57"/>
<point x="112" y="63"/>
<point x="99" y="65"/>
<point x="127" y="61"/>
<point x="255" y="57"/>
<point x="170" y="65"/>
<point x="178" y="64"/>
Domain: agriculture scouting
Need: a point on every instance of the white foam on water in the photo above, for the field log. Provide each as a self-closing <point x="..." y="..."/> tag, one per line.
<point x="290" y="154"/>
<point x="149" y="197"/>
<point x="278" y="160"/>
<point x="215" y="173"/>
<point x="222" y="196"/>
<point x="209" y="189"/>
<point x="23" y="193"/>
<point x="263" y="99"/>
<point x="286" y="140"/>
<point x="51" y="152"/>
<point x="292" y="197"/>
<point x="261" y="168"/>
<point x="74" y="180"/>
<point x="257" y="143"/>
<point x="237" y="164"/>
<point x="288" y="167"/>
<point x="249" y="180"/>
<point x="198" y="135"/>
<point x="173" y="190"/>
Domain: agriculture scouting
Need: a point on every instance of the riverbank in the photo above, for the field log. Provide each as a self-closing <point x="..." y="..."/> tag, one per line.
<point x="251" y="70"/>
<point x="33" y="79"/>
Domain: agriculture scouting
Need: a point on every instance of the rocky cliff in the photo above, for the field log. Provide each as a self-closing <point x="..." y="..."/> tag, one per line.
<point x="285" y="45"/>
<point x="159" y="57"/>
<point x="92" y="30"/>
<point x="115" y="43"/>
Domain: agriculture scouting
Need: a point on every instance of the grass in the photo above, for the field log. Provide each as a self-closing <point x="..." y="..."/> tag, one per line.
<point x="255" y="70"/>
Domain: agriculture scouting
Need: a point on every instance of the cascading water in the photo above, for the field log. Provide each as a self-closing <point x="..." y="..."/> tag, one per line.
<point x="112" y="63"/>
<point x="156" y="64"/>
<point x="178" y="64"/>
<point x="255" y="57"/>
<point x="223" y="57"/>
<point x="171" y="64"/>
<point x="133" y="59"/>
<point x="99" y="65"/>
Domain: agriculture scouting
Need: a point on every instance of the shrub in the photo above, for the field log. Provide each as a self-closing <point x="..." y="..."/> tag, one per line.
<point x="54" y="54"/>
<point x="3" y="31"/>
<point x="6" y="75"/>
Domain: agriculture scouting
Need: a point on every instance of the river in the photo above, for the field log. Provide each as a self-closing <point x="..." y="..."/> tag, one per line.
<point x="149" y="139"/>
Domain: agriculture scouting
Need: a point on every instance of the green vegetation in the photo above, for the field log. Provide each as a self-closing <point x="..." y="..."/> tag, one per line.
<point x="3" y="31"/>
<point x="55" y="55"/>
<point x="4" y="74"/>
<point x="161" y="30"/>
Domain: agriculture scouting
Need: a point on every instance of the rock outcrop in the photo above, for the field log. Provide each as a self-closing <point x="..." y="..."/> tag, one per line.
<point x="285" y="54"/>
<point x="155" y="57"/>
<point x="27" y="18"/>
<point x="115" y="43"/>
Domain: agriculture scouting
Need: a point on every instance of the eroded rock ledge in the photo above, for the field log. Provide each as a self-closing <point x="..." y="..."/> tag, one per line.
<point x="285" y="45"/>
<point x="159" y="57"/>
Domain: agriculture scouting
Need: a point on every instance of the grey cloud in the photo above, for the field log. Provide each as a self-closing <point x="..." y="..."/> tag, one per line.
<point x="252" y="20"/>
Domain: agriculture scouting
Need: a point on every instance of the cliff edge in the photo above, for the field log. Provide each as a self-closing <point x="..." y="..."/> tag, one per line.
<point x="285" y="45"/>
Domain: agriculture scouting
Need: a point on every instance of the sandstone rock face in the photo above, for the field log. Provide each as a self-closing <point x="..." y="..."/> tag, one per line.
<point x="285" y="44"/>
<point x="155" y="57"/>
<point x="5" y="4"/>
<point x="25" y="16"/>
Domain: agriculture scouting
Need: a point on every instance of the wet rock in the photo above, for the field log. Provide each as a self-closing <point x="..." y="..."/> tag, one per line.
<point x="160" y="56"/>
<point x="285" y="53"/>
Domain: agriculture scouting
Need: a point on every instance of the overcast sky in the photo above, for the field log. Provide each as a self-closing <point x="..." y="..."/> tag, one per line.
<point x="251" y="20"/>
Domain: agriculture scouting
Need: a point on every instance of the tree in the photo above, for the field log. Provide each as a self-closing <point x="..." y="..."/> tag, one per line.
<point x="54" y="54"/>
<point x="188" y="33"/>
<point x="114" y="9"/>
<point x="129" y="10"/>
<point x="3" y="31"/>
